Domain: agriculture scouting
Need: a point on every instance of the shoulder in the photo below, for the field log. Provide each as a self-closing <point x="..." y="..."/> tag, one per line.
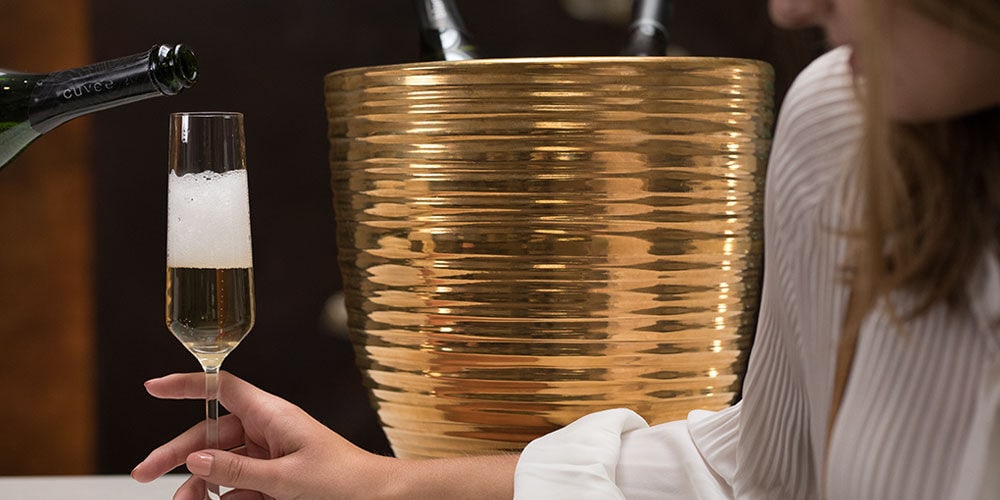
<point x="819" y="125"/>
<point x="832" y="68"/>
<point x="813" y="160"/>
<point x="823" y="92"/>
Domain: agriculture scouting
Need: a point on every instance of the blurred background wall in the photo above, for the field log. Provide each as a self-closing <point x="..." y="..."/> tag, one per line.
<point x="47" y="394"/>
<point x="82" y="211"/>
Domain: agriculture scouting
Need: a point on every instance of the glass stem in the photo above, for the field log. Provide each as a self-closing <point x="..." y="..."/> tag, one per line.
<point x="212" y="421"/>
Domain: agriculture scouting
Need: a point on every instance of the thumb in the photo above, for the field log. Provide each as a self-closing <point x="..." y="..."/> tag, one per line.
<point x="235" y="471"/>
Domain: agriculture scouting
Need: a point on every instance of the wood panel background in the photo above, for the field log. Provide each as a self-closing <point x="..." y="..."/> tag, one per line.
<point x="46" y="282"/>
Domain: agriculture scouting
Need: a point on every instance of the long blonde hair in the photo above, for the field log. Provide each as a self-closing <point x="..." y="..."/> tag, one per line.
<point x="931" y="191"/>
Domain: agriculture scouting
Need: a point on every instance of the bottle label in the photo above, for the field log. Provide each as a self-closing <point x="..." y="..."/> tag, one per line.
<point x="64" y="95"/>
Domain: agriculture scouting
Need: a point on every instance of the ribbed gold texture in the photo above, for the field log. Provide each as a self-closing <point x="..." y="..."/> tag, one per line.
<point x="525" y="241"/>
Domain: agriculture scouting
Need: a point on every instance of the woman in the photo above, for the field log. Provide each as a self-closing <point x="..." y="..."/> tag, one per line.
<point x="876" y="369"/>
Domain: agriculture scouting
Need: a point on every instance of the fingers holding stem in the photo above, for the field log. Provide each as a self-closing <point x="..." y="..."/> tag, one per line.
<point x="175" y="452"/>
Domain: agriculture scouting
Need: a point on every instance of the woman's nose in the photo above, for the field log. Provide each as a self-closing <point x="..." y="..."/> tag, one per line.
<point x="792" y="14"/>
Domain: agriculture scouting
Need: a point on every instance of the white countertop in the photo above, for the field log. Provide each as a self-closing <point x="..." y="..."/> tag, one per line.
<point x="87" y="487"/>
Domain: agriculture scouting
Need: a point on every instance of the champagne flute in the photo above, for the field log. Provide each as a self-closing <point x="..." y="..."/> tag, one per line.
<point x="210" y="298"/>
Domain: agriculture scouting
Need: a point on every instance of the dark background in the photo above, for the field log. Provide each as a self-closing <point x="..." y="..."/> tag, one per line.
<point x="267" y="59"/>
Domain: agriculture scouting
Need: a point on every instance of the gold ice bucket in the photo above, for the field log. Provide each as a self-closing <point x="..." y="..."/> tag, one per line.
<point x="525" y="241"/>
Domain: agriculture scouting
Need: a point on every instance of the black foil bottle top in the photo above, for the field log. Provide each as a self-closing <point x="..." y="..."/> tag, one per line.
<point x="63" y="95"/>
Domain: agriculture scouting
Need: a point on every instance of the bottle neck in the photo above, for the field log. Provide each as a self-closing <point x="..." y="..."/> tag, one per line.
<point x="439" y="15"/>
<point x="648" y="35"/>
<point x="64" y="95"/>
<point x="444" y="36"/>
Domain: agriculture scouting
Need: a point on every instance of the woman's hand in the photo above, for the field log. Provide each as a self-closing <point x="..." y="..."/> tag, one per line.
<point x="278" y="450"/>
<point x="281" y="452"/>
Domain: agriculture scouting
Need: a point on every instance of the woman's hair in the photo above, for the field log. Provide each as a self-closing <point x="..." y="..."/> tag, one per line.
<point x="930" y="191"/>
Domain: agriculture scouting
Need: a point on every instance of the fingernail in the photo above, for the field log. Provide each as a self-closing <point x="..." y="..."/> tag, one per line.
<point x="200" y="464"/>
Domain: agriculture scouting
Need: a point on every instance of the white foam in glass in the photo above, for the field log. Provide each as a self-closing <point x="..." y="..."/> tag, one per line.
<point x="208" y="220"/>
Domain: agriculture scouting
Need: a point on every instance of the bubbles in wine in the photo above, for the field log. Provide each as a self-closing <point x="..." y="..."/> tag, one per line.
<point x="208" y="220"/>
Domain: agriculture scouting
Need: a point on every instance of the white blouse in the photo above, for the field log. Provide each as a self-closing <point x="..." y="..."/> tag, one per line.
<point x="919" y="418"/>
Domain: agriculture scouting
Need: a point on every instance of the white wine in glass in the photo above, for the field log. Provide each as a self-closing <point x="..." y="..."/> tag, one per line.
<point x="210" y="298"/>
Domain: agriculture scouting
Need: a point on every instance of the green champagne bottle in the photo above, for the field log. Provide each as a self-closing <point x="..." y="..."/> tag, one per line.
<point x="443" y="36"/>
<point x="647" y="34"/>
<point x="32" y="104"/>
